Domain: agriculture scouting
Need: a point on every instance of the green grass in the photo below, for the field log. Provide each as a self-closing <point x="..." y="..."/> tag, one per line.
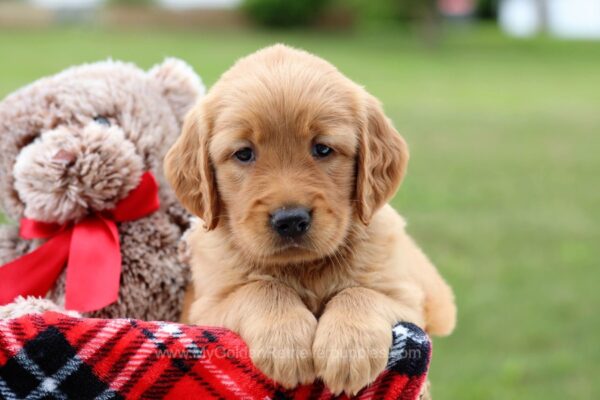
<point x="502" y="190"/>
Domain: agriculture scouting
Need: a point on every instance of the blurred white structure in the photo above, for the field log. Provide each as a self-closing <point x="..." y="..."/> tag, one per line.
<point x="519" y="17"/>
<point x="171" y="4"/>
<point x="189" y="4"/>
<point x="561" y="18"/>
<point x="574" y="18"/>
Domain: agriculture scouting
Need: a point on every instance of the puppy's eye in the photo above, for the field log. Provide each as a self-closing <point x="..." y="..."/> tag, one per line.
<point x="320" y="150"/>
<point x="102" y="120"/>
<point x="244" y="155"/>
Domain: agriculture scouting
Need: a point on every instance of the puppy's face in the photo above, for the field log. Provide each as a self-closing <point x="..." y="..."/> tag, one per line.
<point x="284" y="165"/>
<point x="287" y="154"/>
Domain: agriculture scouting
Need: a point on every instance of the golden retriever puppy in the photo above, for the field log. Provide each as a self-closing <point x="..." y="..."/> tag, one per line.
<point x="290" y="164"/>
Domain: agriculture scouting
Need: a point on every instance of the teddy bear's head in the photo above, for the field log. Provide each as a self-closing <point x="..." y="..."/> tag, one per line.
<point x="79" y="141"/>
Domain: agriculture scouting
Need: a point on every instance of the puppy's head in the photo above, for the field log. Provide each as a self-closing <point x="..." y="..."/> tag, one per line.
<point x="287" y="154"/>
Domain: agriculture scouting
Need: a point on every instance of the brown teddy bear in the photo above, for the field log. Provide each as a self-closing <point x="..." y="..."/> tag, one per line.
<point x="81" y="157"/>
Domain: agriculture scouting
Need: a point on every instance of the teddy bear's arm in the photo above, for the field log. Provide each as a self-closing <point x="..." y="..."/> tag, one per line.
<point x="177" y="215"/>
<point x="153" y="280"/>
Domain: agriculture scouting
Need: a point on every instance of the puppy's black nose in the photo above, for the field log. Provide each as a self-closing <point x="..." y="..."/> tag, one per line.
<point x="291" y="222"/>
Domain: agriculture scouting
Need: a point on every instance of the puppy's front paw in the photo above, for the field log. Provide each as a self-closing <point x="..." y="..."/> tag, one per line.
<point x="349" y="355"/>
<point x="282" y="349"/>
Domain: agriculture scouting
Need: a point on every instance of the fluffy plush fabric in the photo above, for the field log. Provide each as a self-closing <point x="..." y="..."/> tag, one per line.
<point x="68" y="171"/>
<point x="57" y="356"/>
<point x="31" y="305"/>
<point x="77" y="143"/>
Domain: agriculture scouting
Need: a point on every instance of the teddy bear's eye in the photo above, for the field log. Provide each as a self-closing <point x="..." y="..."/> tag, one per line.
<point x="102" y="120"/>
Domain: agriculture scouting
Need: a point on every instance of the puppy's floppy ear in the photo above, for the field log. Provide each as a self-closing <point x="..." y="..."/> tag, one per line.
<point x="381" y="162"/>
<point x="189" y="170"/>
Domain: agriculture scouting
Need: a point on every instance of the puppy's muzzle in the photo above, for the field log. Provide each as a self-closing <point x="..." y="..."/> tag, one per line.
<point x="291" y="223"/>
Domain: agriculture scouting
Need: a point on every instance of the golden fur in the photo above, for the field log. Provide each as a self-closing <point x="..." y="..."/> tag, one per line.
<point x="324" y="306"/>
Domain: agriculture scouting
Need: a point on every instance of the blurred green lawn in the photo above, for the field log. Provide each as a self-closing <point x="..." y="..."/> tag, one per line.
<point x="502" y="191"/>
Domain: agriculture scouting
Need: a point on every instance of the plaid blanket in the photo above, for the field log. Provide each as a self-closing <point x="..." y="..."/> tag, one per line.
<point x="55" y="356"/>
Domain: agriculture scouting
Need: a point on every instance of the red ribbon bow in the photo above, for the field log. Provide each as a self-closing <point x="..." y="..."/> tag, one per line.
<point x="90" y="249"/>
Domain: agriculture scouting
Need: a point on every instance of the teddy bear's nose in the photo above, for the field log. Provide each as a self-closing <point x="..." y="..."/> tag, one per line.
<point x="64" y="157"/>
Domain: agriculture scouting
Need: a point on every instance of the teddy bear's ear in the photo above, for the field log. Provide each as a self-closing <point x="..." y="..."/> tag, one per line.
<point x="179" y="84"/>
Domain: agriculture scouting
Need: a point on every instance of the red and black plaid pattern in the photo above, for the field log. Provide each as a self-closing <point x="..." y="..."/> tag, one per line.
<point x="54" y="356"/>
